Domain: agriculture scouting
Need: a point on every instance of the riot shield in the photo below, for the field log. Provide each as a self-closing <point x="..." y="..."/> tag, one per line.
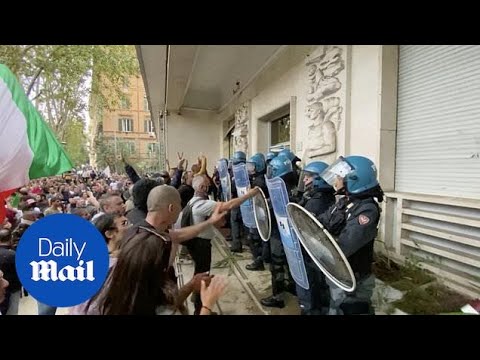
<point x="261" y="213"/>
<point x="242" y="183"/>
<point x="291" y="244"/>
<point x="322" y="247"/>
<point x="225" y="179"/>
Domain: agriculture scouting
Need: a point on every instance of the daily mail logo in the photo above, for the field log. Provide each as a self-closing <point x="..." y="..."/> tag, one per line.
<point x="62" y="260"/>
<point x="50" y="271"/>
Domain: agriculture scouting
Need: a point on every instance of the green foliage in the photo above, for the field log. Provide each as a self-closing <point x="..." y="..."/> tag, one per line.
<point x="61" y="79"/>
<point x="76" y="142"/>
<point x="105" y="148"/>
<point x="432" y="300"/>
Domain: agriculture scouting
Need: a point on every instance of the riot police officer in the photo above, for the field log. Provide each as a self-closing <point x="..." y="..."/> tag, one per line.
<point x="266" y="245"/>
<point x="317" y="197"/>
<point x="297" y="195"/>
<point x="293" y="158"/>
<point x="354" y="221"/>
<point x="239" y="157"/>
<point x="270" y="155"/>
<point x="280" y="166"/>
<point x="256" y="168"/>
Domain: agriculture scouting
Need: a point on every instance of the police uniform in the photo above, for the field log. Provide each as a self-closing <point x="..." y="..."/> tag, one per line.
<point x="280" y="273"/>
<point x="315" y="300"/>
<point x="280" y="166"/>
<point x="266" y="256"/>
<point x="236" y="223"/>
<point x="354" y="224"/>
<point x="254" y="241"/>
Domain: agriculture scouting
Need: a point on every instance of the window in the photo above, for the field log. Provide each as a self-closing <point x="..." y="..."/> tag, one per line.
<point x="280" y="131"/>
<point x="145" y="103"/>
<point x="152" y="150"/>
<point x="125" y="103"/>
<point x="125" y="124"/>
<point x="148" y="126"/>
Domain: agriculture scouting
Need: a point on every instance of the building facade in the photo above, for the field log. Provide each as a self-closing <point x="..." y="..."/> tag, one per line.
<point x="127" y="130"/>
<point x="413" y="110"/>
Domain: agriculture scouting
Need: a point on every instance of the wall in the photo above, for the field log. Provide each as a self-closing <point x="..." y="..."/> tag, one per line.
<point x="364" y="101"/>
<point x="193" y="132"/>
<point x="368" y="127"/>
<point x="368" y="99"/>
<point x="372" y="107"/>
<point x="135" y="92"/>
<point x="271" y="90"/>
<point x="360" y="93"/>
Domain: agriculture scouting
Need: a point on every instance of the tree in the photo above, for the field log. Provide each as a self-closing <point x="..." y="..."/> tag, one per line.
<point x="38" y="66"/>
<point x="105" y="151"/>
<point x="60" y="79"/>
<point x="76" y="142"/>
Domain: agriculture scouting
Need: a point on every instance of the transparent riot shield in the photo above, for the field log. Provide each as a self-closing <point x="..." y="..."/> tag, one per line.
<point x="261" y="213"/>
<point x="322" y="247"/>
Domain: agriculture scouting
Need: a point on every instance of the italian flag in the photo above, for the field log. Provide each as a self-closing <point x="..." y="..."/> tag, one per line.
<point x="28" y="147"/>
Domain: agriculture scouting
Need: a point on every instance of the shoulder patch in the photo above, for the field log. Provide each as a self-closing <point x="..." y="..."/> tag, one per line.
<point x="363" y="219"/>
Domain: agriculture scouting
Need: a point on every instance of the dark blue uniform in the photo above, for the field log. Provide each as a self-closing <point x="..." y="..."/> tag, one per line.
<point x="354" y="224"/>
<point x="315" y="300"/>
<point x="236" y="222"/>
<point x="279" y="269"/>
<point x="254" y="241"/>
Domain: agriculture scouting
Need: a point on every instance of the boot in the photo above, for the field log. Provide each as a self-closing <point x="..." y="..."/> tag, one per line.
<point x="236" y="249"/>
<point x="272" y="301"/>
<point x="255" y="266"/>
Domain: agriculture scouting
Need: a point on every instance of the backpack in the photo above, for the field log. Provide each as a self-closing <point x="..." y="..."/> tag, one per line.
<point x="187" y="214"/>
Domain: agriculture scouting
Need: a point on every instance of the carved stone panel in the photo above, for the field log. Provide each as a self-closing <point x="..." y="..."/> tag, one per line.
<point x="240" y="134"/>
<point x="323" y="109"/>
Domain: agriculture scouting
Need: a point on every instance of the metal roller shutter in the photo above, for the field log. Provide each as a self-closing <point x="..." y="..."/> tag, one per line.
<point x="438" y="127"/>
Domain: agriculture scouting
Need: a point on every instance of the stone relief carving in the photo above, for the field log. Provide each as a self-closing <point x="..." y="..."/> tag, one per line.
<point x="240" y="134"/>
<point x="323" y="107"/>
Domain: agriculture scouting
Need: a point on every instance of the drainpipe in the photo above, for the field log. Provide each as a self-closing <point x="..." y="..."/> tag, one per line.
<point x="165" y="110"/>
<point x="160" y="129"/>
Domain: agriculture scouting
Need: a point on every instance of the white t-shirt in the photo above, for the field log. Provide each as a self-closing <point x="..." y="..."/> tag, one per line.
<point x="201" y="211"/>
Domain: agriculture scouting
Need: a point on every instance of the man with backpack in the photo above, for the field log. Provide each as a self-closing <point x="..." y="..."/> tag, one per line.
<point x="199" y="209"/>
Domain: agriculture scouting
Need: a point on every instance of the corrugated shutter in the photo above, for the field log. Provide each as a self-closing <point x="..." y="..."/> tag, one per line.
<point x="438" y="128"/>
